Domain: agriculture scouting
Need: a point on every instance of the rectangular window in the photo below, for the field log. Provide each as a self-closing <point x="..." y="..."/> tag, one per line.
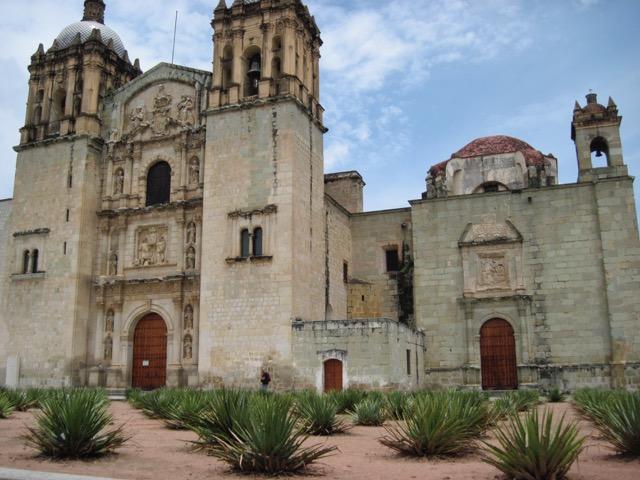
<point x="345" y="272"/>
<point x="64" y="248"/>
<point x="67" y="215"/>
<point x="393" y="262"/>
<point x="408" y="362"/>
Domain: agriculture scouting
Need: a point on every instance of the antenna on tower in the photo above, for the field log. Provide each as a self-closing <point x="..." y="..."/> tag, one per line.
<point x="175" y="28"/>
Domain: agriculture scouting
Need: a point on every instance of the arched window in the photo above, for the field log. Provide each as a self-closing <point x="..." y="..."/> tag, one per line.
<point x="34" y="261"/>
<point x="159" y="184"/>
<point x="257" y="242"/>
<point x="244" y="243"/>
<point x="37" y="115"/>
<point x="26" y="256"/>
<point x="599" y="148"/>
<point x="227" y="67"/>
<point x="488" y="187"/>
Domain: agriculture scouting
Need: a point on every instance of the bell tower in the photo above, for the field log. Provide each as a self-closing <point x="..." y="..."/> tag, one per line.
<point x="263" y="206"/>
<point x="69" y="80"/>
<point x="265" y="49"/>
<point x="596" y="131"/>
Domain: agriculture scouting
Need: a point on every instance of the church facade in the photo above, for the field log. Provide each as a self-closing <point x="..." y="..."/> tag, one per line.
<point x="176" y="228"/>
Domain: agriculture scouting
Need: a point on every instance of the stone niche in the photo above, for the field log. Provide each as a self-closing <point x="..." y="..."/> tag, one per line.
<point x="492" y="259"/>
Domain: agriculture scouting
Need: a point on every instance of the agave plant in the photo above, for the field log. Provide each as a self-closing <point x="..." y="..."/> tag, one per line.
<point x="6" y="406"/>
<point x="396" y="405"/>
<point x="216" y="419"/>
<point x="267" y="439"/>
<point x="345" y="400"/>
<point x="617" y="417"/>
<point x="21" y="400"/>
<point x="443" y="423"/>
<point x="368" y="412"/>
<point x="73" y="424"/>
<point x="318" y="414"/>
<point x="184" y="411"/>
<point x="534" y="448"/>
<point x="555" y="395"/>
<point x="591" y="402"/>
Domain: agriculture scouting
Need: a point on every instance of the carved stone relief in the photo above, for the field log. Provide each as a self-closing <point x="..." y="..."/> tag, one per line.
<point x="493" y="271"/>
<point x="151" y="246"/>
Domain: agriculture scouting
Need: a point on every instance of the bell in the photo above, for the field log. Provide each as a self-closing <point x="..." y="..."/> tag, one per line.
<point x="254" y="68"/>
<point x="598" y="153"/>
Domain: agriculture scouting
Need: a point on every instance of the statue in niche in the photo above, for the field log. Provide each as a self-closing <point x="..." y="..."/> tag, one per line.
<point x="145" y="253"/>
<point x="194" y="171"/>
<point x="118" y="182"/>
<point x="185" y="111"/>
<point x="187" y="349"/>
<point x="161" y="111"/>
<point x="108" y="322"/>
<point x="161" y="248"/>
<point x="191" y="233"/>
<point x="191" y="258"/>
<point x="108" y="347"/>
<point x="113" y="135"/>
<point x="188" y="317"/>
<point x="113" y="263"/>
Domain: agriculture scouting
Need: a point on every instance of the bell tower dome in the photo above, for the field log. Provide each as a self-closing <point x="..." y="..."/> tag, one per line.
<point x="595" y="129"/>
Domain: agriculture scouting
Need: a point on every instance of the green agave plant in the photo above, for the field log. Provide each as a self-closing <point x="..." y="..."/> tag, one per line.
<point x="368" y="412"/>
<point x="6" y="406"/>
<point x="218" y="417"/>
<point x="345" y="400"/>
<point x="443" y="423"/>
<point x="184" y="411"/>
<point x="555" y="395"/>
<point x="72" y="424"/>
<point x="397" y="405"/>
<point x="533" y="448"/>
<point x="616" y="415"/>
<point x="318" y="414"/>
<point x="267" y="439"/>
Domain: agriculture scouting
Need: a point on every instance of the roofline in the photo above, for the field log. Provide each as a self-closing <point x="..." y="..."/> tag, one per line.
<point x="379" y="212"/>
<point x="5" y="199"/>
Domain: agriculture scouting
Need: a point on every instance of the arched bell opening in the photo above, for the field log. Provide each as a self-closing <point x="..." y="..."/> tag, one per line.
<point x="253" y="69"/>
<point x="599" y="152"/>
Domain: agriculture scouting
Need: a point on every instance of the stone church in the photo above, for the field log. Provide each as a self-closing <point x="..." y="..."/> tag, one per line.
<point x="176" y="227"/>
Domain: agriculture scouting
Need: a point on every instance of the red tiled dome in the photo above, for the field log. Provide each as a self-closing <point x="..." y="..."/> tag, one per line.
<point x="495" y="145"/>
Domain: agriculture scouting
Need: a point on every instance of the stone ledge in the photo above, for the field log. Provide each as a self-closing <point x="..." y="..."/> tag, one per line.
<point x="28" y="276"/>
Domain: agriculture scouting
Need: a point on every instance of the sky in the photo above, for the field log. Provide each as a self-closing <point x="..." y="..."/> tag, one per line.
<point x="405" y="83"/>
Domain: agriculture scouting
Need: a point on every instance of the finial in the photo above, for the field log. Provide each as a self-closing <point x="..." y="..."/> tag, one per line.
<point x="577" y="107"/>
<point x="222" y="5"/>
<point x="94" y="11"/>
<point x="136" y="64"/>
<point x="611" y="103"/>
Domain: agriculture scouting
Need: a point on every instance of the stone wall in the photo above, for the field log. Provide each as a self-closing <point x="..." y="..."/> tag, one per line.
<point x="338" y="255"/>
<point x="45" y="313"/>
<point x="372" y="234"/>
<point x="346" y="189"/>
<point x="373" y="353"/>
<point x="572" y="311"/>
<point x="5" y="210"/>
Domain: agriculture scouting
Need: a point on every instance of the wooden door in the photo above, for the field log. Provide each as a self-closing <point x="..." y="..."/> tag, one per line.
<point x="498" y="356"/>
<point x="332" y="375"/>
<point x="150" y="353"/>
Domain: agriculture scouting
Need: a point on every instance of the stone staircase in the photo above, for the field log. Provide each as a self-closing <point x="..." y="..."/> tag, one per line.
<point x="116" y="394"/>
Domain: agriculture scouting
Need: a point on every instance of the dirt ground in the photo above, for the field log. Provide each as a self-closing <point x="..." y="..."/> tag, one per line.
<point x="156" y="452"/>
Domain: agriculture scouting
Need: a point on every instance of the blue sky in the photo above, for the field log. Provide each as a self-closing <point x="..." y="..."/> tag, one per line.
<point x="404" y="83"/>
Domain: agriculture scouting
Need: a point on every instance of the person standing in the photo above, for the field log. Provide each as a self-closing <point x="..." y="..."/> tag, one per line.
<point x="265" y="380"/>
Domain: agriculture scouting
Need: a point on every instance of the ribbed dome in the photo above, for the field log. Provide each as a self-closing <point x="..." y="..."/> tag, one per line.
<point x="85" y="28"/>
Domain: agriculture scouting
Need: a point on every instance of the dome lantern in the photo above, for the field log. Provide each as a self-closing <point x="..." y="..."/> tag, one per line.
<point x="94" y="11"/>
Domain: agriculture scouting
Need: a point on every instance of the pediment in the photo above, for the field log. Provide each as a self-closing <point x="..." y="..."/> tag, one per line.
<point x="489" y="233"/>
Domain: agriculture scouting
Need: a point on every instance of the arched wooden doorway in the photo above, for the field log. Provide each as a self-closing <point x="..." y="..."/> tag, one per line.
<point x="150" y="353"/>
<point x="498" y="356"/>
<point x="332" y="375"/>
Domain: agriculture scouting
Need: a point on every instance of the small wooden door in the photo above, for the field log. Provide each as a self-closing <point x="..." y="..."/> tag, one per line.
<point x="332" y="375"/>
<point x="150" y="353"/>
<point x="498" y="356"/>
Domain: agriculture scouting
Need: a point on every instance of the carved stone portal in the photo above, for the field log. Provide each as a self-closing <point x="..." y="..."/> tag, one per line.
<point x="151" y="246"/>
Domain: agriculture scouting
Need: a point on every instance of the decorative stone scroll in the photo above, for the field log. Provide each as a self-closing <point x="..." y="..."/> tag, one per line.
<point x="151" y="246"/>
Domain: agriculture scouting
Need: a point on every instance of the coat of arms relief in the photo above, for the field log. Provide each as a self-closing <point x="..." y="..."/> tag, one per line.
<point x="164" y="114"/>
